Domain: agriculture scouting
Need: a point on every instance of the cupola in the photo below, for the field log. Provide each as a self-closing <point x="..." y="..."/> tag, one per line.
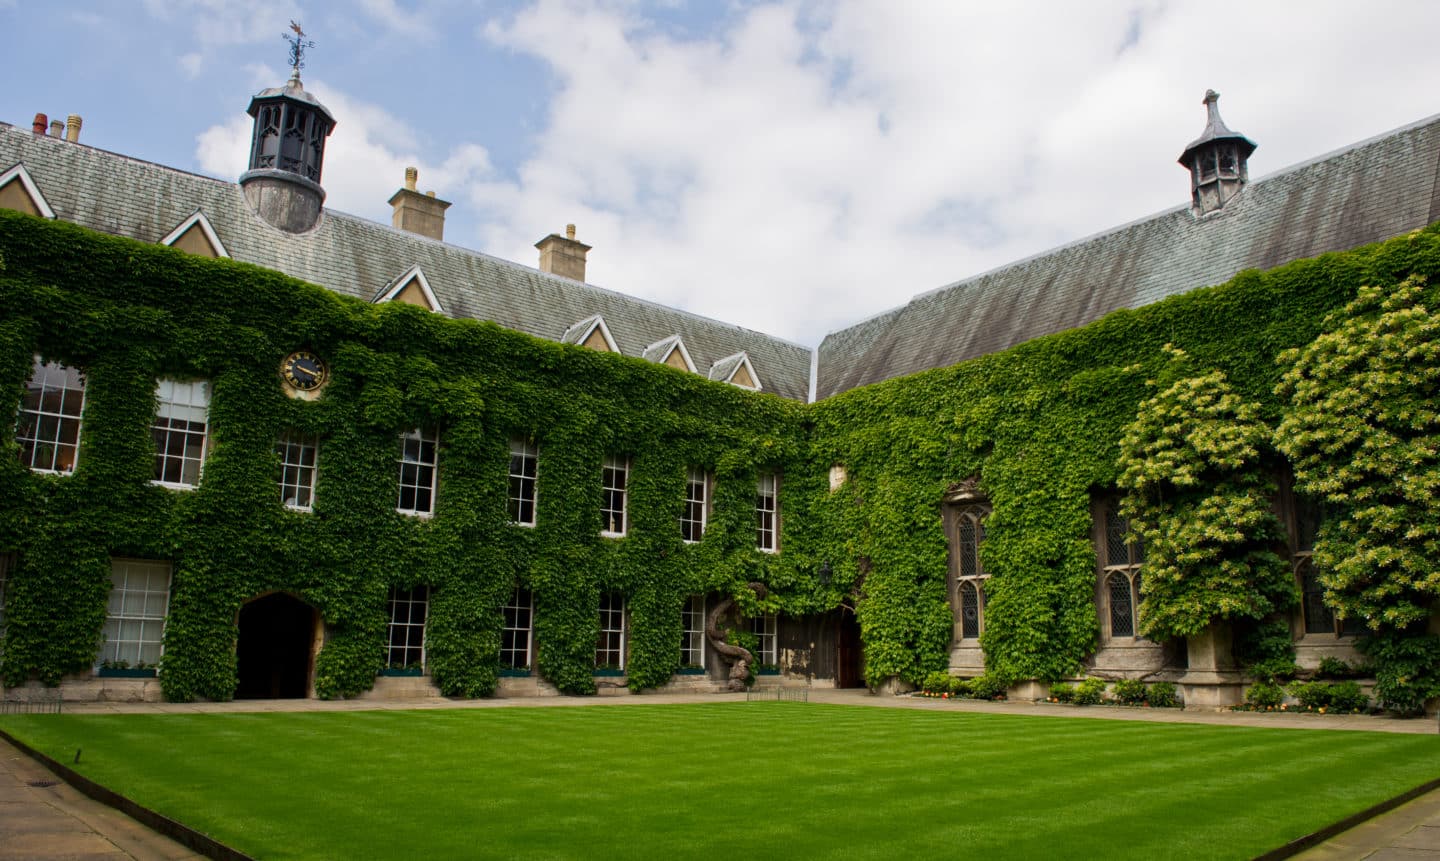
<point x="287" y="150"/>
<point x="1217" y="161"/>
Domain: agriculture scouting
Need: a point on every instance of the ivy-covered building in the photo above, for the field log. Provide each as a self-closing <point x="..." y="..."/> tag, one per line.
<point x="268" y="449"/>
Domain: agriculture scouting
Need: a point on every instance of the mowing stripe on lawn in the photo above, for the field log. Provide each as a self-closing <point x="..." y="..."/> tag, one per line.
<point x="761" y="779"/>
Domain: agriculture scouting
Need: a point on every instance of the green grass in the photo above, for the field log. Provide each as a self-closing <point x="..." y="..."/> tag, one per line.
<point x="732" y="780"/>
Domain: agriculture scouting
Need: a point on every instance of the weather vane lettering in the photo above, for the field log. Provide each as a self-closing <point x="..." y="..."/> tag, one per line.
<point x="298" y="44"/>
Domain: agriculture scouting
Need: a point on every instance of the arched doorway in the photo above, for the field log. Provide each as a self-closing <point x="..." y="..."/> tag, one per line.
<point x="275" y="652"/>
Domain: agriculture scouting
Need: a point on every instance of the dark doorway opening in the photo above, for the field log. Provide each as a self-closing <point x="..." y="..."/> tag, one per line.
<point x="849" y="654"/>
<point x="274" y="650"/>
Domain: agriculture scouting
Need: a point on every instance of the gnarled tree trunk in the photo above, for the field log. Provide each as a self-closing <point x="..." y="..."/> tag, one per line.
<point x="738" y="657"/>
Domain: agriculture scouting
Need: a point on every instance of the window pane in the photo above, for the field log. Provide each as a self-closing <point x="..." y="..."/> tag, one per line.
<point x="969" y="611"/>
<point x="1122" y="610"/>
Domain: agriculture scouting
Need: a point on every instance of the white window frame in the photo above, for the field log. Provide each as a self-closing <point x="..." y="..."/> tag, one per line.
<point x="692" y="624"/>
<point x="765" y="627"/>
<point x="412" y="458"/>
<point x="518" y="627"/>
<point x="137" y="609"/>
<point x="180" y="406"/>
<point x="614" y="465"/>
<point x="297" y="478"/>
<point x="696" y="512"/>
<point x="767" y="512"/>
<point x="409" y="599"/>
<point x="47" y="378"/>
<point x="612" y="633"/>
<point x="524" y="485"/>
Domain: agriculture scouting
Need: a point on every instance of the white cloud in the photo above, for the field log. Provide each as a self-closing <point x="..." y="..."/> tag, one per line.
<point x="807" y="165"/>
<point x="412" y="23"/>
<point x="815" y="164"/>
<point x="365" y="159"/>
<point x="192" y="64"/>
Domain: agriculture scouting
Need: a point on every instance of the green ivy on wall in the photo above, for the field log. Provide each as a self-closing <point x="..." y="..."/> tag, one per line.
<point x="127" y="313"/>
<point x="1040" y="424"/>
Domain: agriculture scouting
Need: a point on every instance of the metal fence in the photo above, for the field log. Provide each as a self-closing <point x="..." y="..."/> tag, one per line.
<point x="37" y="706"/>
<point x="794" y="695"/>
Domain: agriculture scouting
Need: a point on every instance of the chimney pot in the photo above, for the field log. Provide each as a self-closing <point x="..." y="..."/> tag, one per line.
<point x="569" y="231"/>
<point x="57" y="129"/>
<point x="411" y="176"/>
<point x="72" y="128"/>
<point x="41" y="122"/>
<point x="429" y="194"/>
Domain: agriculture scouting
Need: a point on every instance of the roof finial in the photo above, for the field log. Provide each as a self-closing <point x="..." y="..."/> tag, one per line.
<point x="298" y="44"/>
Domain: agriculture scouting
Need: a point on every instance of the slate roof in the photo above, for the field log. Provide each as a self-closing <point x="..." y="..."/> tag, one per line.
<point x="145" y="201"/>
<point x="1371" y="191"/>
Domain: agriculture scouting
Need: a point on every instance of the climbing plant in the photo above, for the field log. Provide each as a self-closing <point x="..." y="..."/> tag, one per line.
<point x="1038" y="425"/>
<point x="126" y="314"/>
<point x="1362" y="428"/>
<point x="1199" y="496"/>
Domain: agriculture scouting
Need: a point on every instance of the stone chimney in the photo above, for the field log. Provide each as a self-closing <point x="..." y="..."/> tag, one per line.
<point x="418" y="213"/>
<point x="72" y="128"/>
<point x="563" y="255"/>
<point x="1218" y="161"/>
<point x="40" y="123"/>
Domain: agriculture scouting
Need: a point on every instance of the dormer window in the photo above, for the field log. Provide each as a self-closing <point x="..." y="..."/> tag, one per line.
<point x="591" y="332"/>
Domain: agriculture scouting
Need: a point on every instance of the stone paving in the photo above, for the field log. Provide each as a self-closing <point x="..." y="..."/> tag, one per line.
<point x="55" y="821"/>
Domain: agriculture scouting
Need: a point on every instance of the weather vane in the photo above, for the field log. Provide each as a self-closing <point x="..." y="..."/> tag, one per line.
<point x="297" y="47"/>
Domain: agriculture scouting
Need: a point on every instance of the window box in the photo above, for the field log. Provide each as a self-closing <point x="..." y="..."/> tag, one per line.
<point x="402" y="671"/>
<point x="126" y="672"/>
<point x="767" y="670"/>
<point x="607" y="671"/>
<point x="514" y="672"/>
<point x="690" y="671"/>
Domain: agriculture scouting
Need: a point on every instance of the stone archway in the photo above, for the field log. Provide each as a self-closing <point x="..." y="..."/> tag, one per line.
<point x="275" y="653"/>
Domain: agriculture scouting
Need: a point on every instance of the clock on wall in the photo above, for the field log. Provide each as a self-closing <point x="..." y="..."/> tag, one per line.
<point x="304" y="371"/>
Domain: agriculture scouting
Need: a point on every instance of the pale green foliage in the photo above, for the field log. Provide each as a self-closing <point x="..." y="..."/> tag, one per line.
<point x="1363" y="433"/>
<point x="1197" y="496"/>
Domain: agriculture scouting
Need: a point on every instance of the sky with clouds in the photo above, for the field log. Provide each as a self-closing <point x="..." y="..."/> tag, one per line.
<point x="789" y="166"/>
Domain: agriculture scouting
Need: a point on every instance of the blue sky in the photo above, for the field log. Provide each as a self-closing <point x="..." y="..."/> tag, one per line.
<point x="787" y="166"/>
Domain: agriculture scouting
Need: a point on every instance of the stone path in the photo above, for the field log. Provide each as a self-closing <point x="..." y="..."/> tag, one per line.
<point x="49" y="823"/>
<point x="45" y="819"/>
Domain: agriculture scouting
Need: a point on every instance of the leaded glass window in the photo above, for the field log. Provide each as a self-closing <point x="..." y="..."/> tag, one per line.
<point x="1121" y="556"/>
<point x="965" y="525"/>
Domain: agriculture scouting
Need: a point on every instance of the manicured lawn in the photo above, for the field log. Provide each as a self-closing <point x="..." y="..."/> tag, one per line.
<point x="732" y="780"/>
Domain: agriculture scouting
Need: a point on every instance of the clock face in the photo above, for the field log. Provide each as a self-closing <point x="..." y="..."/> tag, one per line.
<point x="304" y="370"/>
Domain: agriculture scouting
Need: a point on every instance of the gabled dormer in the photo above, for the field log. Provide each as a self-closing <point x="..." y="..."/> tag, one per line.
<point x="670" y="351"/>
<point x="19" y="192"/>
<point x="591" y="332"/>
<point x="195" y="235"/>
<point x="737" y="371"/>
<point x="412" y="288"/>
